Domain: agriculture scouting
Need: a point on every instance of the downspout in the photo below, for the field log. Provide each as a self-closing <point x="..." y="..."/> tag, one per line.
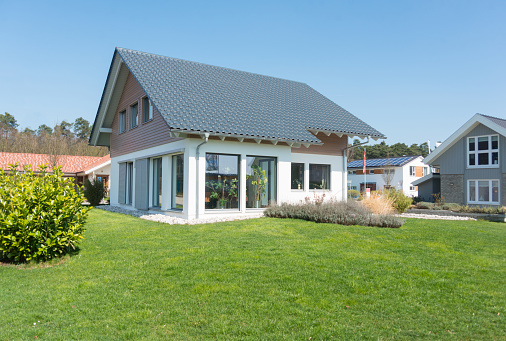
<point x="198" y="174"/>
<point x="345" y="167"/>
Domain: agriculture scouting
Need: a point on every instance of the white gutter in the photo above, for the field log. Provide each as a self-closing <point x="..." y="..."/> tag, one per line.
<point x="197" y="213"/>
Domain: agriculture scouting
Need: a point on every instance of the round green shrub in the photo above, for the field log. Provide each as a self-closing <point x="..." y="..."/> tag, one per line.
<point x="41" y="215"/>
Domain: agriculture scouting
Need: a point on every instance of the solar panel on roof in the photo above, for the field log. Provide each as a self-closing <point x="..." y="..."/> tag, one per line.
<point x="395" y="161"/>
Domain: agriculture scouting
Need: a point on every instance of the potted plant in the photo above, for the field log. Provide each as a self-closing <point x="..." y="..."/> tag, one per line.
<point x="259" y="181"/>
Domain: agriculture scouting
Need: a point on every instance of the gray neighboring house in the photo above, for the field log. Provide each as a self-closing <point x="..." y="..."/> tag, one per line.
<point x="472" y="163"/>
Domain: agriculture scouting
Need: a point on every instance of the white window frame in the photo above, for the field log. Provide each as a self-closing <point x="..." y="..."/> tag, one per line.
<point x="412" y="170"/>
<point x="489" y="151"/>
<point x="122" y="121"/>
<point x="134" y="121"/>
<point x="147" y="110"/>
<point x="477" y="202"/>
<point x="412" y="188"/>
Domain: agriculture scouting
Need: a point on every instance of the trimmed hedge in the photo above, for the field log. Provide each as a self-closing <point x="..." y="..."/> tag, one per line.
<point x="342" y="213"/>
<point x="41" y="216"/>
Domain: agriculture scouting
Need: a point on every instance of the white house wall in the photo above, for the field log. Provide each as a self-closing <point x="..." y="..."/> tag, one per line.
<point x="284" y="159"/>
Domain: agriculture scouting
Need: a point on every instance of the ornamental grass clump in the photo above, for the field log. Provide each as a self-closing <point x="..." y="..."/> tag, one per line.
<point x="41" y="215"/>
<point x="342" y="213"/>
<point x="378" y="203"/>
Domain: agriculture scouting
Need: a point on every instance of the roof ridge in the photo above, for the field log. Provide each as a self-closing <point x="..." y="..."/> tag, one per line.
<point x="488" y="116"/>
<point x="205" y="64"/>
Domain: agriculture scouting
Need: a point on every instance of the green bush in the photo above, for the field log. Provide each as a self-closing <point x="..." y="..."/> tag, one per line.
<point x="343" y="213"/>
<point x="94" y="191"/>
<point x="400" y="201"/>
<point x="41" y="216"/>
<point x="353" y="194"/>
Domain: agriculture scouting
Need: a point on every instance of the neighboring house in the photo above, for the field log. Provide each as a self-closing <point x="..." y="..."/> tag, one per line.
<point x="193" y="140"/>
<point x="394" y="172"/>
<point x="429" y="186"/>
<point x="472" y="162"/>
<point x="77" y="167"/>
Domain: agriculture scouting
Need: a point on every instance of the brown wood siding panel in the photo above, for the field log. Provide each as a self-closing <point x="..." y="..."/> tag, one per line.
<point x="332" y="145"/>
<point x="419" y="171"/>
<point x="146" y="135"/>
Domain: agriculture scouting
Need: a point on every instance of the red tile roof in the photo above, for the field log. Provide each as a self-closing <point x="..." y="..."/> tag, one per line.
<point x="68" y="163"/>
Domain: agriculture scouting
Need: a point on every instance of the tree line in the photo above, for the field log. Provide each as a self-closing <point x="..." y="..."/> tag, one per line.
<point x="383" y="150"/>
<point x="64" y="138"/>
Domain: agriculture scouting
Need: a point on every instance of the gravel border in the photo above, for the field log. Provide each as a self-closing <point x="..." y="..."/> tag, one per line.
<point x="162" y="218"/>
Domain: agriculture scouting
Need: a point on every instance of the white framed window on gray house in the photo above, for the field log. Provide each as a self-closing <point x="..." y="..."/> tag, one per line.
<point x="129" y="185"/>
<point x="177" y="181"/>
<point x="147" y="110"/>
<point x="261" y="175"/>
<point x="157" y="182"/>
<point x="122" y="121"/>
<point x="297" y="175"/>
<point x="483" y="192"/>
<point x="483" y="151"/>
<point x="222" y="181"/>
<point x="319" y="176"/>
<point x="133" y="115"/>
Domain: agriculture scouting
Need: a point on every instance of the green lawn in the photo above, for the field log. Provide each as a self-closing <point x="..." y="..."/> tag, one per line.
<point x="264" y="279"/>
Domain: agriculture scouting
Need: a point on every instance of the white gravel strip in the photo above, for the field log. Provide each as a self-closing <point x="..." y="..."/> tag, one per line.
<point x="431" y="216"/>
<point x="162" y="218"/>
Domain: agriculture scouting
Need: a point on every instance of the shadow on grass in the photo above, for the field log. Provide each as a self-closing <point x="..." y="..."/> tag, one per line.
<point x="40" y="265"/>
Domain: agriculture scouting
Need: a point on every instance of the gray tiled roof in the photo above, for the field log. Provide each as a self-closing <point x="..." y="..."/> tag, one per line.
<point x="499" y="121"/>
<point x="204" y="98"/>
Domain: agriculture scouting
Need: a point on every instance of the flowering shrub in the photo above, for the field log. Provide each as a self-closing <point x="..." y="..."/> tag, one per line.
<point x="41" y="216"/>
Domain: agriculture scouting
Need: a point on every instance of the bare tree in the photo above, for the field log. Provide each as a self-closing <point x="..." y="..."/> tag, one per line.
<point x="388" y="174"/>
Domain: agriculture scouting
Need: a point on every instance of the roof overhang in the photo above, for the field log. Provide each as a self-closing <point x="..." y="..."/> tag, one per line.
<point x="239" y="137"/>
<point x="462" y="131"/>
<point x="102" y="127"/>
<point x="430" y="176"/>
<point x="350" y="135"/>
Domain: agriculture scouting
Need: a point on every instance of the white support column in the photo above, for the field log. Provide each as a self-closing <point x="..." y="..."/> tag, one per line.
<point x="242" y="179"/>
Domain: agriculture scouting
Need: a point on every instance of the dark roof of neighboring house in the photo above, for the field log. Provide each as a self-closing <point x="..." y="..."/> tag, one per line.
<point x="68" y="163"/>
<point x="195" y="97"/>
<point x="393" y="161"/>
<point x="499" y="121"/>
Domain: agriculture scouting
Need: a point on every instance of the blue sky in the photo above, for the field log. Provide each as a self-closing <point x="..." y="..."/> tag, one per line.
<point x="414" y="70"/>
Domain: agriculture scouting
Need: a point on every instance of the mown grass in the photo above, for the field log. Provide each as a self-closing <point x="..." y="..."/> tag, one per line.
<point x="264" y="279"/>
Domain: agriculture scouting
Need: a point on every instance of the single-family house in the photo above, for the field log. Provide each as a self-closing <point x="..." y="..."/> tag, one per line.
<point x="472" y="163"/>
<point x="78" y="167"/>
<point x="194" y="141"/>
<point x="381" y="173"/>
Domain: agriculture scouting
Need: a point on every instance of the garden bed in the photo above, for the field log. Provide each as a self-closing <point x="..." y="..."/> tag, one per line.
<point x="479" y="216"/>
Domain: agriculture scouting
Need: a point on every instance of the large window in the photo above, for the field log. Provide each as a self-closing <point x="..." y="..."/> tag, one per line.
<point x="297" y="176"/>
<point x="177" y="181"/>
<point x="129" y="182"/>
<point x="260" y="181"/>
<point x="122" y="121"/>
<point x="319" y="176"/>
<point x="483" y="151"/>
<point x="157" y="182"/>
<point x="133" y="115"/>
<point x="147" y="110"/>
<point x="222" y="181"/>
<point x="483" y="192"/>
